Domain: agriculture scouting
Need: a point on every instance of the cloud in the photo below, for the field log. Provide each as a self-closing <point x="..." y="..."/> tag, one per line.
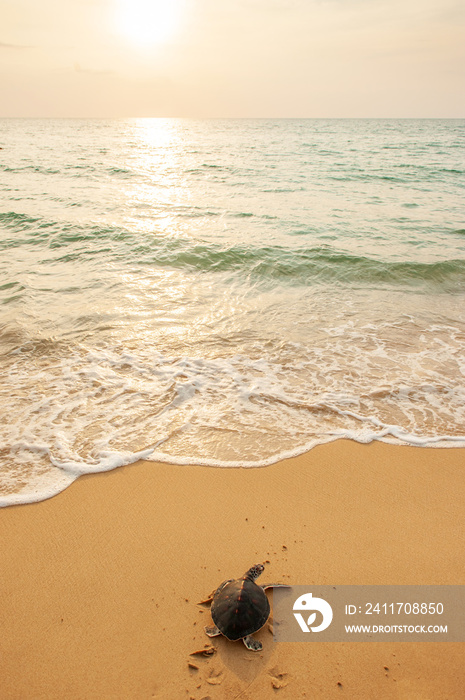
<point x="92" y="71"/>
<point x="4" y="45"/>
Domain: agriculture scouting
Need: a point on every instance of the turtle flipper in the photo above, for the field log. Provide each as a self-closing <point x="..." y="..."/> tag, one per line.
<point x="275" y="585"/>
<point x="208" y="599"/>
<point x="252" y="644"/>
<point x="212" y="631"/>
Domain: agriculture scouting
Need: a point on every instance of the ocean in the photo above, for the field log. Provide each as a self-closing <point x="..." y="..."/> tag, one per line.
<point x="226" y="292"/>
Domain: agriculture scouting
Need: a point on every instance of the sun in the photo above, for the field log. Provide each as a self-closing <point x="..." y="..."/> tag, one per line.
<point x="146" y="23"/>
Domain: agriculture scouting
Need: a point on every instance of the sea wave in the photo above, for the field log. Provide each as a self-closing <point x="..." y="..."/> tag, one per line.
<point x="301" y="265"/>
<point x="308" y="265"/>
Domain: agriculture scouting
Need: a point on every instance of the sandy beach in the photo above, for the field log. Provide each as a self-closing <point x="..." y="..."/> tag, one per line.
<point x="100" y="585"/>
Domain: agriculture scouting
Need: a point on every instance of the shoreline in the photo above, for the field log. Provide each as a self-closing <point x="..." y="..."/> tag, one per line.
<point x="100" y="583"/>
<point x="73" y="471"/>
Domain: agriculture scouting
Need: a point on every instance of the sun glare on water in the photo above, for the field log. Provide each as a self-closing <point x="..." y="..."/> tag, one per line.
<point x="146" y="23"/>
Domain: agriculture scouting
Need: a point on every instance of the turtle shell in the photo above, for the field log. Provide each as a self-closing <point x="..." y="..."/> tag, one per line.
<point x="239" y="608"/>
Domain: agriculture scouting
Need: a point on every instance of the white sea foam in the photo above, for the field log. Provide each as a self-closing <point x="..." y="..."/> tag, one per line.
<point x="94" y="409"/>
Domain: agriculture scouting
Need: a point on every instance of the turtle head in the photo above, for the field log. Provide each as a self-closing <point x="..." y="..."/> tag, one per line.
<point x="254" y="572"/>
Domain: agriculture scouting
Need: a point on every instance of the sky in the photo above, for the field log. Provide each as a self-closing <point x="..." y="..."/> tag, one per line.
<point x="232" y="58"/>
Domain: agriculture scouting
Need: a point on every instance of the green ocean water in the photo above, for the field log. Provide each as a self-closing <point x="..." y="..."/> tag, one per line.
<point x="226" y="291"/>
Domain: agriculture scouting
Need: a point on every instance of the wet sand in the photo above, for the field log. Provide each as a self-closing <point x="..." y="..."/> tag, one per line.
<point x="100" y="584"/>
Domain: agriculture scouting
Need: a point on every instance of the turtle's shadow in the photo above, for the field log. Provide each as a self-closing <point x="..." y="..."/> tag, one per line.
<point x="245" y="664"/>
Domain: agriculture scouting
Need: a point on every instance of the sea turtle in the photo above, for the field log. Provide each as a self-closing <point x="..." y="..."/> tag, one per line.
<point x="240" y="608"/>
